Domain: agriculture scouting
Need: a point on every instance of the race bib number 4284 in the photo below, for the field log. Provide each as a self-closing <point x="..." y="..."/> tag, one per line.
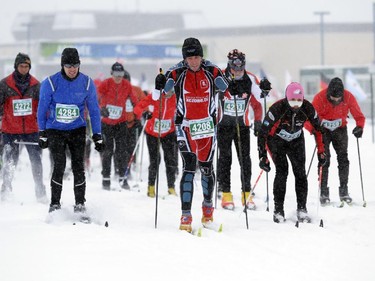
<point x="66" y="113"/>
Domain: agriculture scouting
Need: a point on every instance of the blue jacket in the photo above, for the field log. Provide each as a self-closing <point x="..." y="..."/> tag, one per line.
<point x="62" y="103"/>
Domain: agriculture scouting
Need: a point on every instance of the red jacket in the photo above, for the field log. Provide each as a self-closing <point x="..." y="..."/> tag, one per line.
<point x="328" y="112"/>
<point x="119" y="100"/>
<point x="167" y="114"/>
<point x="19" y="112"/>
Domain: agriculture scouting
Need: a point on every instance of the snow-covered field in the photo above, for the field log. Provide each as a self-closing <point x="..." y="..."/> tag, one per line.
<point x="131" y="248"/>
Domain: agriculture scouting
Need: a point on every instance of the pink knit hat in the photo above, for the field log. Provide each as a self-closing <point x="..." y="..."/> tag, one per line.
<point x="294" y="92"/>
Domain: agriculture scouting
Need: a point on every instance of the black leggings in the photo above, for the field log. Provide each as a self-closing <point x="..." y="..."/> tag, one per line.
<point x="58" y="141"/>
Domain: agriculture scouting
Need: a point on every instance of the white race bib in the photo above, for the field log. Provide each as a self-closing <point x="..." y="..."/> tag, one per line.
<point x="201" y="128"/>
<point x="22" y="107"/>
<point x="66" y="113"/>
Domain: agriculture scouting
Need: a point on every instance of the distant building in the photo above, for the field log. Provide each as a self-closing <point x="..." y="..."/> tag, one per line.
<point x="144" y="42"/>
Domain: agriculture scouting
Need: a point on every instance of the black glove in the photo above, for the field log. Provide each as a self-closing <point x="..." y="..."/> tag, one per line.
<point x="104" y="111"/>
<point x="98" y="141"/>
<point x="264" y="164"/>
<point x="43" y="140"/>
<point x="357" y="132"/>
<point x="265" y="86"/>
<point x="322" y="158"/>
<point x="147" y="115"/>
<point x="160" y="81"/>
<point x="257" y="126"/>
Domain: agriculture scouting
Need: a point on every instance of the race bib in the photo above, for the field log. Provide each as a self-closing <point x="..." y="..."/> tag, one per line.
<point x="115" y="112"/>
<point x="22" y="107"/>
<point x="288" y="136"/>
<point x="201" y="128"/>
<point x="332" y="125"/>
<point x="229" y="107"/>
<point x="66" y="113"/>
<point x="165" y="126"/>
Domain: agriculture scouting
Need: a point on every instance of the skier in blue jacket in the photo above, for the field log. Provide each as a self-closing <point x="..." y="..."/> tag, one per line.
<point x="64" y="98"/>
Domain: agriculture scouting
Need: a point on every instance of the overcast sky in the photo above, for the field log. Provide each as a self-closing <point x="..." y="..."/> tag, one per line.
<point x="214" y="13"/>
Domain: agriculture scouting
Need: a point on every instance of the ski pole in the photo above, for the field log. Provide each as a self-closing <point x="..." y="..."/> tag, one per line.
<point x="255" y="185"/>
<point x="312" y="158"/>
<point x="241" y="160"/>
<point x="141" y="160"/>
<point x="360" y="172"/>
<point x="134" y="151"/>
<point x="26" y="142"/>
<point x="319" y="192"/>
<point x="216" y="182"/>
<point x="265" y="110"/>
<point x="158" y="155"/>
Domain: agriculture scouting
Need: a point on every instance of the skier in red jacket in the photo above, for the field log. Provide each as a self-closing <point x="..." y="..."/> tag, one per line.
<point x="152" y="114"/>
<point x="19" y="97"/>
<point x="333" y="105"/>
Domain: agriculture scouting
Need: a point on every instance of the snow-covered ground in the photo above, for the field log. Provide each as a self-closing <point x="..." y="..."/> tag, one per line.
<point x="131" y="248"/>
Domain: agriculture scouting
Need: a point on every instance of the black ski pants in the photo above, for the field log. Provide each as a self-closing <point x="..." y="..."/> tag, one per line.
<point x="168" y="144"/>
<point x="115" y="147"/>
<point x="75" y="141"/>
<point x="295" y="151"/>
<point x="339" y="140"/>
<point x="226" y="136"/>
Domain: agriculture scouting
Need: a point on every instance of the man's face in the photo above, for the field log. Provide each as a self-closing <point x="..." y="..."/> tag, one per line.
<point x="71" y="70"/>
<point x="117" y="76"/>
<point x="23" y="68"/>
<point x="194" y="62"/>
<point x="237" y="73"/>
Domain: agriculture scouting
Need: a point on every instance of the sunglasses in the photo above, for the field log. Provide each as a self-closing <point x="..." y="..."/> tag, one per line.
<point x="69" y="65"/>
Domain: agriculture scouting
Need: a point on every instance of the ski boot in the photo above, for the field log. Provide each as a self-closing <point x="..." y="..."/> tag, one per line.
<point x="207" y="214"/>
<point x="250" y="205"/>
<point x="324" y="196"/>
<point x="227" y="201"/>
<point x="302" y="216"/>
<point x="151" y="191"/>
<point x="79" y="208"/>
<point x="344" y="195"/>
<point x="185" y="222"/>
<point x="172" y="191"/>
<point x="124" y="184"/>
<point x="54" y="207"/>
<point x="106" y="184"/>
<point x="278" y="216"/>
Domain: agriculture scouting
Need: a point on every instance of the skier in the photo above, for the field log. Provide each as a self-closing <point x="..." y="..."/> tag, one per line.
<point x="19" y="98"/>
<point x="165" y="115"/>
<point x="333" y="105"/>
<point x="229" y="117"/>
<point x="194" y="84"/>
<point x="282" y="133"/>
<point x="64" y="97"/>
<point x="113" y="95"/>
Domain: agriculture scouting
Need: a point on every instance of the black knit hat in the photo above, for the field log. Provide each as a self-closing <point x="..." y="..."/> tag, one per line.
<point x="22" y="58"/>
<point x="335" y="88"/>
<point x="192" y="47"/>
<point x="70" y="56"/>
<point x="117" y="69"/>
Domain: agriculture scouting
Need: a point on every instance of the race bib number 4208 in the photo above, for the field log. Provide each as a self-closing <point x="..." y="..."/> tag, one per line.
<point x="201" y="128"/>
